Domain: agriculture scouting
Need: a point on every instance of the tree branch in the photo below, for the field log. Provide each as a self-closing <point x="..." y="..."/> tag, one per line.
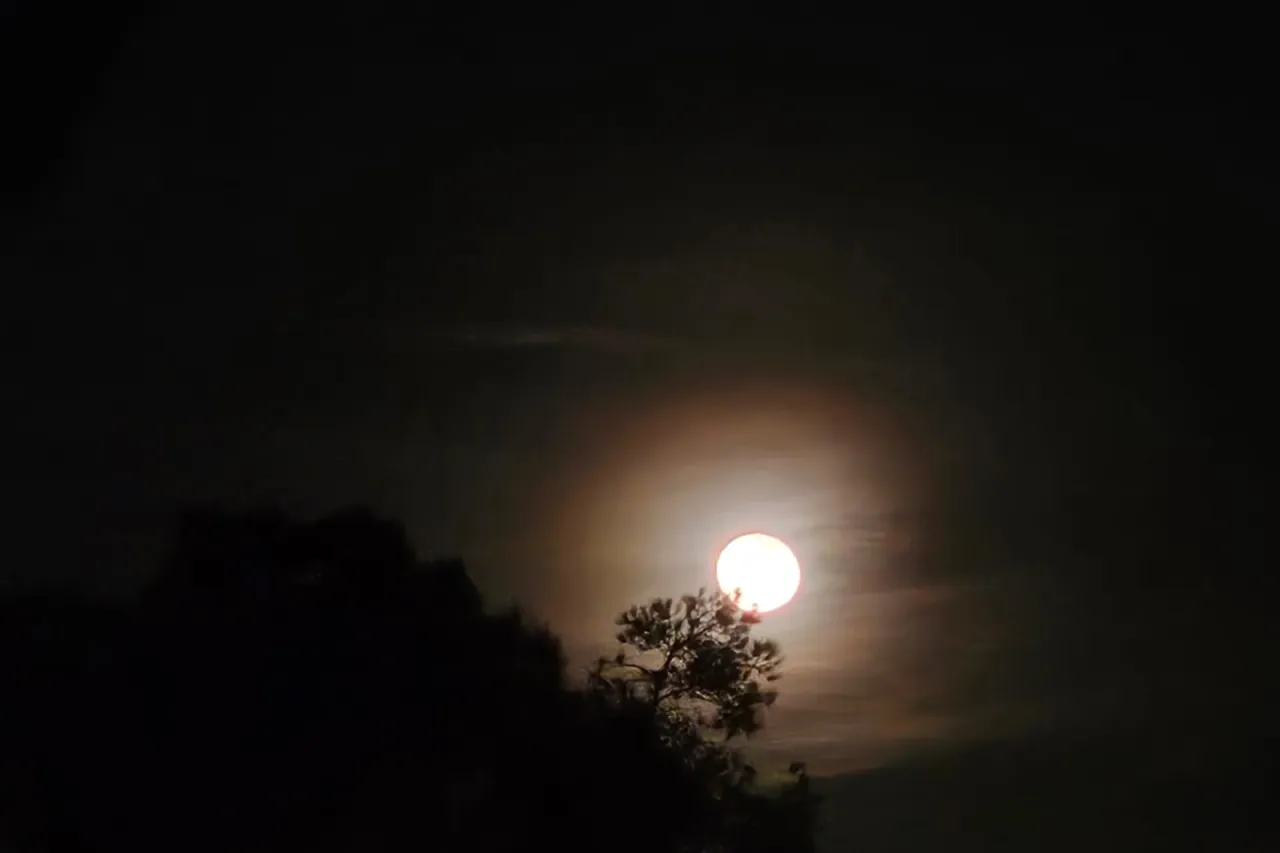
<point x="646" y="670"/>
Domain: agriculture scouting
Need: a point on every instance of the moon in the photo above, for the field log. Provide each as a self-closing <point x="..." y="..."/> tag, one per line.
<point x="762" y="567"/>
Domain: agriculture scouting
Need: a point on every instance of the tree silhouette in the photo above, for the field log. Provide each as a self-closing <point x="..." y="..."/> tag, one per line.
<point x="695" y="657"/>
<point x="694" y="669"/>
<point x="286" y="685"/>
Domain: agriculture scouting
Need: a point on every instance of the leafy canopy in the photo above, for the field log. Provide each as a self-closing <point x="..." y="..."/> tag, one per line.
<point x="695" y="657"/>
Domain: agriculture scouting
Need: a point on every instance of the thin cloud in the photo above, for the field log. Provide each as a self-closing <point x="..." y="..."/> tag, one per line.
<point x="598" y="338"/>
<point x="611" y="339"/>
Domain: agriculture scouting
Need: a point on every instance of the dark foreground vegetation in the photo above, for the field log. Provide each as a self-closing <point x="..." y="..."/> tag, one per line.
<point x="287" y="685"/>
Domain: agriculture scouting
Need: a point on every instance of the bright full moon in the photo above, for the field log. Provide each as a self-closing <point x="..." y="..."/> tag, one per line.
<point x="763" y="567"/>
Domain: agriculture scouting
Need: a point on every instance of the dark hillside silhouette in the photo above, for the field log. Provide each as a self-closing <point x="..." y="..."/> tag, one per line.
<point x="286" y="685"/>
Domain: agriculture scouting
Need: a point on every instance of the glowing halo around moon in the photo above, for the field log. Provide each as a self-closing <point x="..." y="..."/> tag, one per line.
<point x="762" y="567"/>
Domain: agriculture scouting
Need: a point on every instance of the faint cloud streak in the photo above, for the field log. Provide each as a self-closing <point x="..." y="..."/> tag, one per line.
<point x="598" y="338"/>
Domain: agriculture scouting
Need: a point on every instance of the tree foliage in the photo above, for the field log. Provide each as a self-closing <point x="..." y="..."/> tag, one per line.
<point x="314" y="685"/>
<point x="694" y="668"/>
<point x="694" y="658"/>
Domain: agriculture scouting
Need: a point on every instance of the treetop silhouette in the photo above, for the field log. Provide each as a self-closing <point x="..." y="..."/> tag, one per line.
<point x="286" y="684"/>
<point x="698" y="654"/>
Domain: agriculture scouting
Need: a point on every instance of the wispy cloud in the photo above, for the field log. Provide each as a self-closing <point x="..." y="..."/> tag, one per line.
<point x="717" y="348"/>
<point x="598" y="338"/>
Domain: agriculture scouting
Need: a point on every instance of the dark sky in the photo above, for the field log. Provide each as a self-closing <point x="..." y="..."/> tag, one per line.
<point x="973" y="321"/>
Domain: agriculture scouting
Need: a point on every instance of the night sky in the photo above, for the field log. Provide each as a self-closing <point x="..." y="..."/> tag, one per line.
<point x="972" y="321"/>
